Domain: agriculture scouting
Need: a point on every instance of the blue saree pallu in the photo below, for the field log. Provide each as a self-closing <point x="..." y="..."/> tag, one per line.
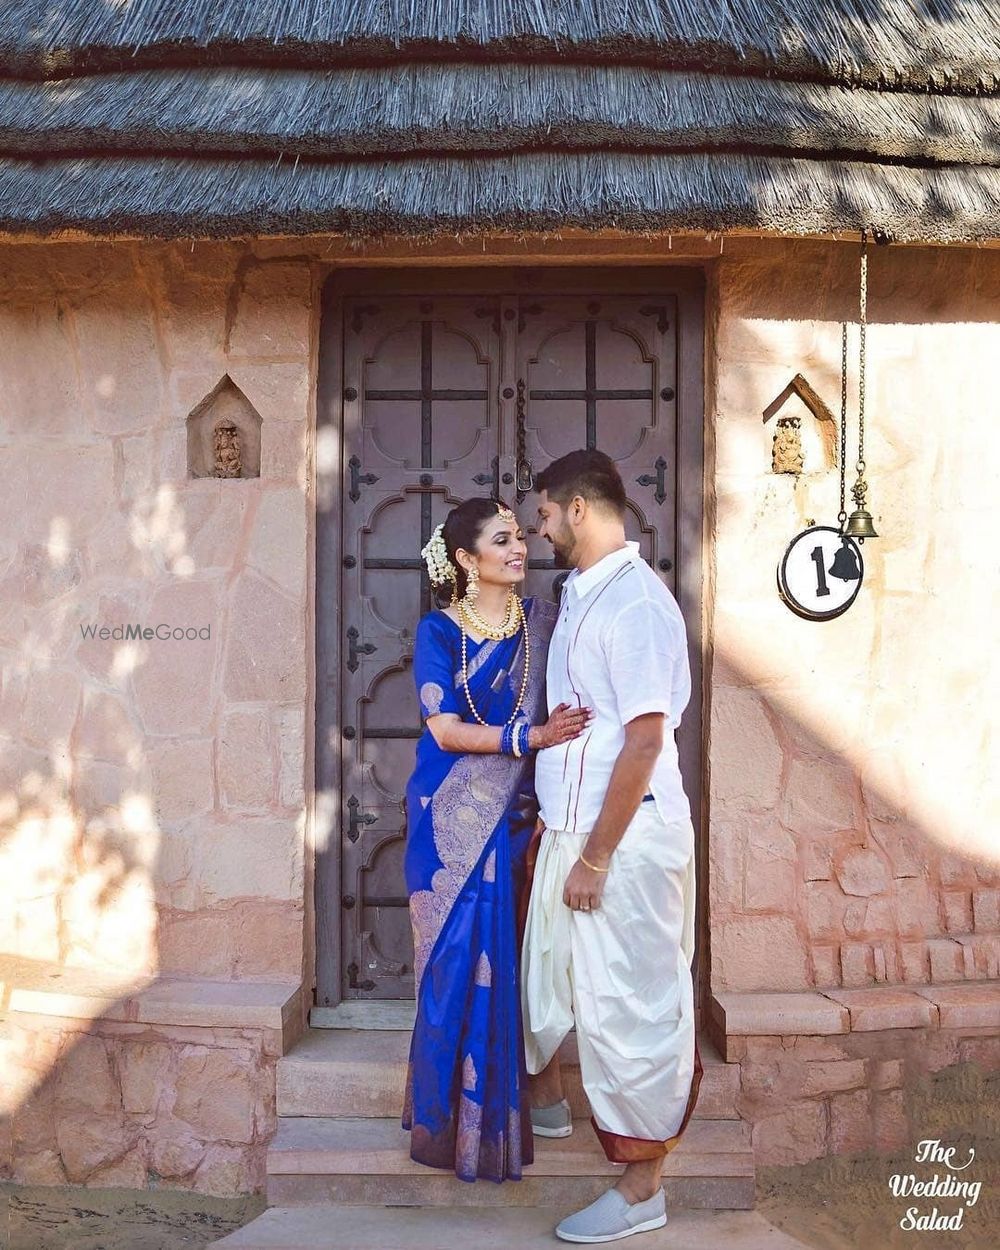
<point x="469" y="819"/>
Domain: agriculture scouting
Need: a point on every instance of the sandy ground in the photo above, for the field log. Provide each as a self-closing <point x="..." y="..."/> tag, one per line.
<point x="831" y="1204"/>
<point x="846" y="1204"/>
<point x="73" y="1218"/>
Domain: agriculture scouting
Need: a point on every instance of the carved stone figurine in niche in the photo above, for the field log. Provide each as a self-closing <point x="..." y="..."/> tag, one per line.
<point x="228" y="457"/>
<point x="786" y="452"/>
<point x="792" y="441"/>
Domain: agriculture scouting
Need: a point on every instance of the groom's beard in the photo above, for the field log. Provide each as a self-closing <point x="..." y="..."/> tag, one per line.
<point x="563" y="549"/>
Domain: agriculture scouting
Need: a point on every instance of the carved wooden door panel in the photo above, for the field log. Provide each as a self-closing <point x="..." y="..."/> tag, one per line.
<point x="600" y="372"/>
<point x="420" y="430"/>
<point x="446" y="398"/>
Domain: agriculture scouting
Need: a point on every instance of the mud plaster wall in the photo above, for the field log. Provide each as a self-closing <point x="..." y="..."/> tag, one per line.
<point x="152" y="792"/>
<point x="853" y="817"/>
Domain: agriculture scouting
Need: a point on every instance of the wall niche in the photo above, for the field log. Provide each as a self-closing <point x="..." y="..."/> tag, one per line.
<point x="223" y="434"/>
<point x="801" y="444"/>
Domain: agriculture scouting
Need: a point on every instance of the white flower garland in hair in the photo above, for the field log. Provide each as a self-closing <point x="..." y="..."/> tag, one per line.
<point x="435" y="555"/>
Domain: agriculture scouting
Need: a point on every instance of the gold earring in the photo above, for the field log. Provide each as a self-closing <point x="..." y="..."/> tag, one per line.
<point x="472" y="584"/>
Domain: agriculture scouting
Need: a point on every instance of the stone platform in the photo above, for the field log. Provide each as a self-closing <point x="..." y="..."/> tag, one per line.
<point x="339" y="1170"/>
<point x="374" y="1228"/>
<point x="823" y="1072"/>
<point x="110" y="1081"/>
<point x="339" y="1094"/>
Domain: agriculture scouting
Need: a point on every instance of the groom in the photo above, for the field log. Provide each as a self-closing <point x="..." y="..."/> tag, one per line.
<point x="609" y="937"/>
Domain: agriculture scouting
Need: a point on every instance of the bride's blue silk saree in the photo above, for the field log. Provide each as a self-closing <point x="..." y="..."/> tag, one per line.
<point x="469" y="820"/>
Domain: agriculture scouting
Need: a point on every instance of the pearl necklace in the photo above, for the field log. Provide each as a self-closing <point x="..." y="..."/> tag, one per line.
<point x="521" y="622"/>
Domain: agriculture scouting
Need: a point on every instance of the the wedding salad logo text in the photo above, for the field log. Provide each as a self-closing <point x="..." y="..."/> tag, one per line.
<point x="944" y="1185"/>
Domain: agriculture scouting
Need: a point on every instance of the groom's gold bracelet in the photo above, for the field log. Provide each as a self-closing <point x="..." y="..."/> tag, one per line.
<point x="593" y="867"/>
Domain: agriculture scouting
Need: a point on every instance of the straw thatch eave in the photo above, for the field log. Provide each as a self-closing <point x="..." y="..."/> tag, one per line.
<point x="416" y="108"/>
<point x="164" y="197"/>
<point x="949" y="45"/>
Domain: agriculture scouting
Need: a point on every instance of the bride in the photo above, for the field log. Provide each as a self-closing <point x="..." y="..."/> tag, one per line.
<point x="479" y="667"/>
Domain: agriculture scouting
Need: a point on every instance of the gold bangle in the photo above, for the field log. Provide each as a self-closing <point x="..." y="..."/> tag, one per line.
<point x="593" y="867"/>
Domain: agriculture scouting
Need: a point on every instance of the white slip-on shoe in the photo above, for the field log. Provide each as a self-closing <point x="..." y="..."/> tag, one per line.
<point x="612" y="1217"/>
<point x="553" y="1121"/>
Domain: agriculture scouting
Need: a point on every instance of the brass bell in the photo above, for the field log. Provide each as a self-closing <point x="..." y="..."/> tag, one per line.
<point x="859" y="525"/>
<point x="845" y="563"/>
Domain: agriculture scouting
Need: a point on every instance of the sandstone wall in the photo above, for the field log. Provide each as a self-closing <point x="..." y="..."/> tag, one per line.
<point x="854" y="817"/>
<point x="118" y="1104"/>
<point x="809" y="1097"/>
<point x="151" y="792"/>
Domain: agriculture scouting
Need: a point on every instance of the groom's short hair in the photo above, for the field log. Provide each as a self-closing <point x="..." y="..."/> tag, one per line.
<point x="591" y="474"/>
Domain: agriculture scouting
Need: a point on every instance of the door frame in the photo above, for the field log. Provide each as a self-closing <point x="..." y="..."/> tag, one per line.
<point x="687" y="284"/>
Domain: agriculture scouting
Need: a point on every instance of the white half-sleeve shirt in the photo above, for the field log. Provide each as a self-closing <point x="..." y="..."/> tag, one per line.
<point x="620" y="648"/>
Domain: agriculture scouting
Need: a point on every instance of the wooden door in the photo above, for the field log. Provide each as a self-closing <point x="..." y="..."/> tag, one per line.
<point x="442" y="398"/>
<point x="599" y="373"/>
<point x="420" y="430"/>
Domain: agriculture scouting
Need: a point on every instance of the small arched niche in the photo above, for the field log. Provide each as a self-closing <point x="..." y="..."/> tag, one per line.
<point x="805" y="434"/>
<point x="223" y="434"/>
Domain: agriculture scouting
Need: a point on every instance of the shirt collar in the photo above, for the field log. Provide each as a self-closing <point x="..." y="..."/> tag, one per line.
<point x="583" y="583"/>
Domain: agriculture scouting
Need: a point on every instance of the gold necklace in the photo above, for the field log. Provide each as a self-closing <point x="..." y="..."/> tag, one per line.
<point x="509" y="626"/>
<point x="522" y="623"/>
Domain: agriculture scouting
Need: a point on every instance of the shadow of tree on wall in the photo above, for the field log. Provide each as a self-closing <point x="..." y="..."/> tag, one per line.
<point x="806" y="786"/>
<point x="128" y="865"/>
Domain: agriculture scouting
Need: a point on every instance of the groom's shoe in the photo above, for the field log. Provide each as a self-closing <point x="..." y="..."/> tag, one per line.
<point x="611" y="1218"/>
<point x="553" y="1121"/>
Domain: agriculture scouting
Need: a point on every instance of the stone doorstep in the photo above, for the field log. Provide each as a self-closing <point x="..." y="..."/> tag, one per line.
<point x="442" y="1189"/>
<point x="966" y="1004"/>
<point x="37" y="988"/>
<point x="332" y="1146"/>
<point x="367" y="1162"/>
<point x="353" y="1072"/>
<point x="388" y="1228"/>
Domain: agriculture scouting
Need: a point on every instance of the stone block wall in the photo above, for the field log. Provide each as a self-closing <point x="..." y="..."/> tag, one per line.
<point x="152" y="791"/>
<point x="853" y="808"/>
<point x="809" y="1097"/>
<point x="831" y="1072"/>
<point x="116" y="1104"/>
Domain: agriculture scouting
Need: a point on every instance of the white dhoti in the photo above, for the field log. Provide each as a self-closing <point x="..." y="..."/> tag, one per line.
<point x="622" y="974"/>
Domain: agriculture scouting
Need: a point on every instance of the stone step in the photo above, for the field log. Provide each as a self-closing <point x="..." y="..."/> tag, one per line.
<point x="351" y="1160"/>
<point x="356" y="1072"/>
<point x="380" y="1228"/>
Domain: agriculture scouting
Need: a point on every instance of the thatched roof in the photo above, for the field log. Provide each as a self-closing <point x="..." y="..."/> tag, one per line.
<point x="242" y="116"/>
<point x="538" y="191"/>
<point x="916" y="42"/>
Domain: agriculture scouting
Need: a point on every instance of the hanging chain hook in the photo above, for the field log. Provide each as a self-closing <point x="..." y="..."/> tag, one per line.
<point x="860" y="488"/>
<point x="859" y="523"/>
<point x="861" y="375"/>
<point x="842" y="514"/>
